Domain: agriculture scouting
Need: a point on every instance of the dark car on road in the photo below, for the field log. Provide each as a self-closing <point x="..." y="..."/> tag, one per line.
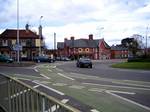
<point x="4" y="58"/>
<point x="84" y="62"/>
<point x="39" y="59"/>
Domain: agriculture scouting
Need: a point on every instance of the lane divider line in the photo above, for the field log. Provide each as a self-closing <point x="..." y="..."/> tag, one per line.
<point x="45" y="76"/>
<point x="65" y="76"/>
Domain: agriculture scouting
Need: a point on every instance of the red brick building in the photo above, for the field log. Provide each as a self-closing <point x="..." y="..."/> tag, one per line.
<point x="92" y="48"/>
<point x="119" y="52"/>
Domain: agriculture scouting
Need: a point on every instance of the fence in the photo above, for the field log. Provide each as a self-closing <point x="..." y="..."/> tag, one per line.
<point x="16" y="96"/>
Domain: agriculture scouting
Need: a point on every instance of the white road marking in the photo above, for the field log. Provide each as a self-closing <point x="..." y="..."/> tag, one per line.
<point x="35" y="69"/>
<point x="138" y="88"/>
<point x="45" y="76"/>
<point x="49" y="70"/>
<point x="76" y="87"/>
<point x="45" y="82"/>
<point x="59" y="84"/>
<point x="116" y="82"/>
<point x="94" y="110"/>
<point x="53" y="66"/>
<point x="130" y="101"/>
<point x="82" y="76"/>
<point x="65" y="76"/>
<point x="123" y="92"/>
<point x="54" y="90"/>
<point x="96" y="90"/>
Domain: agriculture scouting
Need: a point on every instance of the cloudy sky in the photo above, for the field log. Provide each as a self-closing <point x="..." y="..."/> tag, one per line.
<point x="112" y="20"/>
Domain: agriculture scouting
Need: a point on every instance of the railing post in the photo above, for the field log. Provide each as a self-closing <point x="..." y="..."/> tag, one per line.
<point x="43" y="104"/>
<point x="9" y="95"/>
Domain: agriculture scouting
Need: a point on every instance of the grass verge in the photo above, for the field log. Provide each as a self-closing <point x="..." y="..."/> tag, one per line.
<point x="133" y="65"/>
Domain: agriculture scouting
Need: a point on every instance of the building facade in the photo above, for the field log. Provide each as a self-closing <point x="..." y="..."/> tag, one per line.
<point x="29" y="43"/>
<point x="76" y="48"/>
<point x="119" y="52"/>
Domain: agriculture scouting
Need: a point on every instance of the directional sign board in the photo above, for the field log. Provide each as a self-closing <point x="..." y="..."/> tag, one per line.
<point x="17" y="47"/>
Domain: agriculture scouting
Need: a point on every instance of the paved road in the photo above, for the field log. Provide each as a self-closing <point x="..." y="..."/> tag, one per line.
<point x="100" y="69"/>
<point x="103" y="70"/>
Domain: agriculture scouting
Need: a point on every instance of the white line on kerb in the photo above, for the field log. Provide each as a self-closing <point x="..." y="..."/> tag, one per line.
<point x="65" y="76"/>
<point x="145" y="107"/>
<point x="44" y="76"/>
<point x="94" y="110"/>
<point x="54" y="90"/>
<point x="36" y="86"/>
<point x="64" y="101"/>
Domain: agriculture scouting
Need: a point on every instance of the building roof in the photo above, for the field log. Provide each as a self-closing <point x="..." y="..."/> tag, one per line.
<point x="118" y="48"/>
<point x="81" y="43"/>
<point x="23" y="34"/>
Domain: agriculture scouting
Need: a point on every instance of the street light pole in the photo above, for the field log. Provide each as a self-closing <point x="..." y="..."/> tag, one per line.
<point x="40" y="35"/>
<point x="54" y="41"/>
<point x="18" y="53"/>
<point x="146" y="40"/>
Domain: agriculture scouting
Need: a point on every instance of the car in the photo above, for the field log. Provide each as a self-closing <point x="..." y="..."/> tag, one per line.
<point x="65" y="59"/>
<point x="39" y="59"/>
<point x="4" y="58"/>
<point x="84" y="62"/>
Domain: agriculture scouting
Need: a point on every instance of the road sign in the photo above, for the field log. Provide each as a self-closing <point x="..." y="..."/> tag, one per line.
<point x="17" y="47"/>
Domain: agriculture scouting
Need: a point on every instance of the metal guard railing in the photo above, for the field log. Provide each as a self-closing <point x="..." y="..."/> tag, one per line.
<point x="15" y="96"/>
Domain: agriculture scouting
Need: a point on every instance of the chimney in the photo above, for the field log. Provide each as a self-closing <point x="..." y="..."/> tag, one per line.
<point x="65" y="39"/>
<point x="91" y="37"/>
<point x="27" y="27"/>
<point x="72" y="38"/>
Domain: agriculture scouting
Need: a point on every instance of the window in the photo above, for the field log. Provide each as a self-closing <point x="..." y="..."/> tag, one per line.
<point x="23" y="42"/>
<point x="5" y="43"/>
<point x="80" y="50"/>
<point x="87" y="49"/>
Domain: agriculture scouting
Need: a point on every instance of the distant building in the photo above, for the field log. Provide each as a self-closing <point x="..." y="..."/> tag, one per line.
<point x="76" y="48"/>
<point x="119" y="52"/>
<point x="29" y="43"/>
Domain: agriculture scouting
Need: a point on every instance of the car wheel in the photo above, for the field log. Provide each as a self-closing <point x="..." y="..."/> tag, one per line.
<point x="38" y="61"/>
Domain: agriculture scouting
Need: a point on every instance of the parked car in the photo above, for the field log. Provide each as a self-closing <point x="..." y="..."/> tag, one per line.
<point x="84" y="62"/>
<point x="62" y="59"/>
<point x="39" y="59"/>
<point x="4" y="58"/>
<point x="65" y="59"/>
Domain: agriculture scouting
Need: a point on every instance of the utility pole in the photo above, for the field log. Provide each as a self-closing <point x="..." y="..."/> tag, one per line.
<point x="54" y="41"/>
<point x="18" y="48"/>
<point x="146" y="41"/>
